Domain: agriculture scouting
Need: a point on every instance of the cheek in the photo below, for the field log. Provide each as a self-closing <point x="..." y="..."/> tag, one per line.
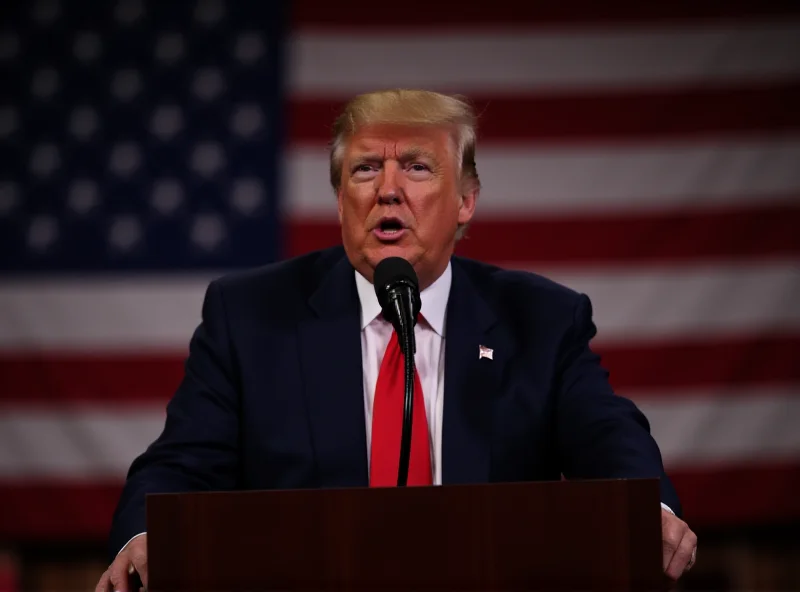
<point x="358" y="198"/>
<point x="435" y="213"/>
<point x="355" y="209"/>
<point x="441" y="204"/>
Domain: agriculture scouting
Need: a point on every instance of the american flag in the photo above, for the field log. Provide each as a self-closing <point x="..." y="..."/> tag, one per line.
<point x="646" y="154"/>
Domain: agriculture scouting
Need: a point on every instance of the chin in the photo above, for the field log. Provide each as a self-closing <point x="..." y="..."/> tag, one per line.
<point x="376" y="254"/>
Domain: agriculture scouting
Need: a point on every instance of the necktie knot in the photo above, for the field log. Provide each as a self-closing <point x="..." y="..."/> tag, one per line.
<point x="420" y="318"/>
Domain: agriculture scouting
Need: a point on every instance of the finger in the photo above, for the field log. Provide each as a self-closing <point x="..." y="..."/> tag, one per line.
<point x="104" y="584"/>
<point x="682" y="555"/>
<point x="118" y="574"/>
<point x="139" y="563"/>
<point x="671" y="536"/>
<point x="692" y="559"/>
<point x="668" y="549"/>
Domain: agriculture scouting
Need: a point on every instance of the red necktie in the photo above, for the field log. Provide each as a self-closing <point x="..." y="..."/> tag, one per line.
<point x="387" y="424"/>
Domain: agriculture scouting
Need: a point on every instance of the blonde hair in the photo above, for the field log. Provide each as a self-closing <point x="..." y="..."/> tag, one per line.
<point x="409" y="107"/>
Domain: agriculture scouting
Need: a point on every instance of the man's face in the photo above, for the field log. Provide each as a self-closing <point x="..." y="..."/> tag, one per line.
<point x="400" y="196"/>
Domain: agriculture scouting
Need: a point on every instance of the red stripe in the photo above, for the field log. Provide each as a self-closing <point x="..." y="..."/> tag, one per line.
<point x="38" y="511"/>
<point x="663" y="237"/>
<point x="711" y="496"/>
<point x="63" y="379"/>
<point x="350" y="14"/>
<point x="691" y="112"/>
<point x="763" y="493"/>
<point x="704" y="364"/>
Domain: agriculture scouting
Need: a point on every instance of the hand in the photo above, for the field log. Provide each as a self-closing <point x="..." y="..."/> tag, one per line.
<point x="679" y="545"/>
<point x="132" y="559"/>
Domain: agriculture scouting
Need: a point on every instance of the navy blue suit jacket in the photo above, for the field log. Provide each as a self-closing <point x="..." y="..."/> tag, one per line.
<point x="272" y="395"/>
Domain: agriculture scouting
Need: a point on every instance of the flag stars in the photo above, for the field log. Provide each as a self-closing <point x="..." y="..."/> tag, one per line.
<point x="126" y="84"/>
<point x="166" y="196"/>
<point x="208" y="84"/>
<point x="169" y="48"/>
<point x="208" y="231"/>
<point x="166" y="122"/>
<point x="92" y="190"/>
<point x="42" y="233"/>
<point x="247" y="120"/>
<point x="83" y="123"/>
<point x="209" y="12"/>
<point x="207" y="159"/>
<point x="125" y="159"/>
<point x="9" y="198"/>
<point x="247" y="195"/>
<point x="82" y="197"/>
<point x="124" y="233"/>
<point x="249" y="48"/>
<point x="87" y="46"/>
<point x="45" y="12"/>
<point x="127" y="12"/>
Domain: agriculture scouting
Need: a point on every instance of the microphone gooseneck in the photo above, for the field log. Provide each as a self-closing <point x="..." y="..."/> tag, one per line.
<point x="397" y="288"/>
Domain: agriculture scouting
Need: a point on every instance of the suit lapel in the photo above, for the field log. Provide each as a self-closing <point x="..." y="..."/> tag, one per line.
<point x="470" y="383"/>
<point x="330" y="353"/>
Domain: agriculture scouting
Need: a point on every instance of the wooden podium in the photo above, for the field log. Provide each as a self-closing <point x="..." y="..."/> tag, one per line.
<point x="569" y="535"/>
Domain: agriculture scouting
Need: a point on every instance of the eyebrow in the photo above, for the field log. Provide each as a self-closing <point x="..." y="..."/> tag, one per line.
<point x="416" y="152"/>
<point x="408" y="154"/>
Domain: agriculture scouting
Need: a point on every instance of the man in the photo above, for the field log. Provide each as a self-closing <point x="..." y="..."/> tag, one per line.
<point x="288" y="380"/>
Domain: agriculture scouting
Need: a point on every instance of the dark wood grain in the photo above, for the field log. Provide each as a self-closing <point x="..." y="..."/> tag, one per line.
<point x="598" y="535"/>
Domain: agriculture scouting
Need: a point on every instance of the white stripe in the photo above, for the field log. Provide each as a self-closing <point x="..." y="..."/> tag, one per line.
<point x="642" y="304"/>
<point x="702" y="427"/>
<point x="703" y="302"/>
<point x="75" y="444"/>
<point x="601" y="179"/>
<point x="336" y="64"/>
<point x="140" y="312"/>
<point x="735" y="426"/>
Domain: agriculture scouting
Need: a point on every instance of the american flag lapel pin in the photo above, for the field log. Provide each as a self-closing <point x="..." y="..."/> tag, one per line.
<point x="485" y="352"/>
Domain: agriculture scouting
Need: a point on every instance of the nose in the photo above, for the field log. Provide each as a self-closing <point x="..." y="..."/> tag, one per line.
<point x="388" y="185"/>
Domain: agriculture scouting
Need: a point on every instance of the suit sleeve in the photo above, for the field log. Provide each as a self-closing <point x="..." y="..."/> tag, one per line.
<point x="601" y="434"/>
<point x="198" y="447"/>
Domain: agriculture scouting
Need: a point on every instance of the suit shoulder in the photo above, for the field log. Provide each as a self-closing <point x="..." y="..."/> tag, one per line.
<point x="290" y="278"/>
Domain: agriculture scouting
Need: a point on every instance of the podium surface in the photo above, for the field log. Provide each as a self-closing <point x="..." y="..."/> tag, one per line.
<point x="568" y="535"/>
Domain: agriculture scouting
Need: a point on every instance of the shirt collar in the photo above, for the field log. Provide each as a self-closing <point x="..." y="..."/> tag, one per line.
<point x="434" y="300"/>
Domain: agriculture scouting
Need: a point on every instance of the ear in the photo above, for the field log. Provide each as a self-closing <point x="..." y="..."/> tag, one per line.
<point x="340" y="203"/>
<point x="468" y="202"/>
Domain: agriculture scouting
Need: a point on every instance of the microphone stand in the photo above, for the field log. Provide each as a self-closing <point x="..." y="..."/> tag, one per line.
<point x="404" y="315"/>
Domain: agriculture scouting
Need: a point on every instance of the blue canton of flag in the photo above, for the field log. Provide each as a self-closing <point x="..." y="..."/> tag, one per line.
<point x="139" y="135"/>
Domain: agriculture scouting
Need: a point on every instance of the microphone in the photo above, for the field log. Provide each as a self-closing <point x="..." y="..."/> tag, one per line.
<point x="397" y="288"/>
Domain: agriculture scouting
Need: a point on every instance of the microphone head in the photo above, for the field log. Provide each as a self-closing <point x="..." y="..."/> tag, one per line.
<point x="392" y="273"/>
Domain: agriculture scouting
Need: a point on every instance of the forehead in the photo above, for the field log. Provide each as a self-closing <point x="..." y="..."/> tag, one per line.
<point x="392" y="139"/>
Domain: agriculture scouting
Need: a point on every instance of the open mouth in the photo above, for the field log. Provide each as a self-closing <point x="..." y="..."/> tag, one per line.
<point x="389" y="229"/>
<point x="391" y="225"/>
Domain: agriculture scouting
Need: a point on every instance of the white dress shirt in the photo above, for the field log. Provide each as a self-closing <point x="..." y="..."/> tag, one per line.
<point x="429" y="359"/>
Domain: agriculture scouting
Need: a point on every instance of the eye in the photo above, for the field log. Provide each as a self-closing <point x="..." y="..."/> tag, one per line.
<point x="362" y="170"/>
<point x="418" y="167"/>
